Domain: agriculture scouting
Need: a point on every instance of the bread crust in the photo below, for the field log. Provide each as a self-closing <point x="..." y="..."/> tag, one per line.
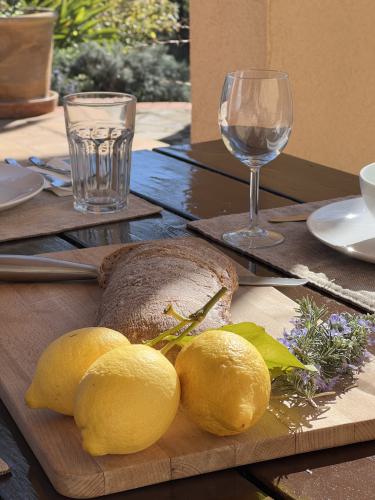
<point x="142" y="279"/>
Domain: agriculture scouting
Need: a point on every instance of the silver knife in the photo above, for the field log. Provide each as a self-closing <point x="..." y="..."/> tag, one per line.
<point x="34" y="268"/>
<point x="245" y="280"/>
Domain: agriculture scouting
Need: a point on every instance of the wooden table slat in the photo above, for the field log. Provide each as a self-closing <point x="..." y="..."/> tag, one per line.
<point x="165" y="225"/>
<point x="33" y="246"/>
<point x="191" y="191"/>
<point x="343" y="473"/>
<point x="288" y="176"/>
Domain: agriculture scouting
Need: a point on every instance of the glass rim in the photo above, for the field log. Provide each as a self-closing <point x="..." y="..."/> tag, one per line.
<point x="69" y="98"/>
<point x="258" y="74"/>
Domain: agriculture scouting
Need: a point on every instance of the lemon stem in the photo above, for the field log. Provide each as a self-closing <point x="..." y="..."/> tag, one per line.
<point x="171" y="343"/>
<point x="199" y="315"/>
<point x="170" y="331"/>
<point x="195" y="318"/>
<point x="170" y="311"/>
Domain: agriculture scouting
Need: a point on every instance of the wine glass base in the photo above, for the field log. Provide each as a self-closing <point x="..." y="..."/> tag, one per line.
<point x="247" y="239"/>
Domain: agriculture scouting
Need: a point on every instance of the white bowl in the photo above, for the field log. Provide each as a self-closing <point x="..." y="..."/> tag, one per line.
<point x="367" y="183"/>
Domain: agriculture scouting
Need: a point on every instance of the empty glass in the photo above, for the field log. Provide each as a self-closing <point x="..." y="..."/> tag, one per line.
<point x="100" y="129"/>
<point x="255" y="119"/>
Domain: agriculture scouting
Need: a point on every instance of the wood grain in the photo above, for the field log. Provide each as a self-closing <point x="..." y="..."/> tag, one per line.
<point x="190" y="191"/>
<point x="35" y="314"/>
<point x="300" y="180"/>
<point x="50" y="214"/>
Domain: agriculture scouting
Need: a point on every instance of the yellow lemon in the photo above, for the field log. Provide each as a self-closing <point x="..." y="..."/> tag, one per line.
<point x="64" y="362"/>
<point x="225" y="383"/>
<point x="127" y="400"/>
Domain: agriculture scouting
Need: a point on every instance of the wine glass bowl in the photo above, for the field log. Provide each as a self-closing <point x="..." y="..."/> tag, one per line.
<point x="255" y="119"/>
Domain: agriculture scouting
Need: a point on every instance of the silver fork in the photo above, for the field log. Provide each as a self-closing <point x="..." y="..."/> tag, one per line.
<point x="54" y="181"/>
<point x="38" y="162"/>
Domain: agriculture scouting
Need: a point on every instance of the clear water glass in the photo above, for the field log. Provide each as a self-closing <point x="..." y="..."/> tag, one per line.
<point x="100" y="130"/>
<point x="255" y="119"/>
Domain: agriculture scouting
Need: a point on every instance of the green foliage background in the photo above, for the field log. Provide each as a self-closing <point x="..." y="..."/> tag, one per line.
<point x="113" y="45"/>
<point x="130" y="22"/>
<point x="150" y="72"/>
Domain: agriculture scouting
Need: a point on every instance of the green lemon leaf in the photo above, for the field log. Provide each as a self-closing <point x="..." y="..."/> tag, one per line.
<point x="275" y="354"/>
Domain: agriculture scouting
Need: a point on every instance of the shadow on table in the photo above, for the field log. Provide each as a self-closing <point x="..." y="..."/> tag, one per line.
<point x="180" y="137"/>
<point x="297" y="414"/>
<point x="22" y="123"/>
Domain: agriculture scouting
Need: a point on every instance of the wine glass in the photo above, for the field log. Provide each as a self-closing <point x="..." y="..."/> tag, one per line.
<point x="255" y="119"/>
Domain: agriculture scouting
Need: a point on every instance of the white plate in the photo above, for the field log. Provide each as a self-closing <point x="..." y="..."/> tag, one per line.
<point x="346" y="226"/>
<point x="18" y="184"/>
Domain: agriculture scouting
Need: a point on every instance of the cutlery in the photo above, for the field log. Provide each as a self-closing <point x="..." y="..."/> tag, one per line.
<point x="13" y="162"/>
<point x="245" y="280"/>
<point x="38" y="162"/>
<point x="54" y="181"/>
<point x="289" y="218"/>
<point x="34" y="268"/>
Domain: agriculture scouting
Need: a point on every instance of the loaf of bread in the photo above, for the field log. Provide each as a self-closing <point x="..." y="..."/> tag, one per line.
<point x="141" y="280"/>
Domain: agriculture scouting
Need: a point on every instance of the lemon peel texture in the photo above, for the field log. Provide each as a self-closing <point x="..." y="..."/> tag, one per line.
<point x="126" y="401"/>
<point x="64" y="362"/>
<point x="225" y="383"/>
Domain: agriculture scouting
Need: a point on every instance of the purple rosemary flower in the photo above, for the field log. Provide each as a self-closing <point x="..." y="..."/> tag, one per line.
<point x="335" y="344"/>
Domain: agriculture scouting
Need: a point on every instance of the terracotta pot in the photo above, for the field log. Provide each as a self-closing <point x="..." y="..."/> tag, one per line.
<point x="26" y="56"/>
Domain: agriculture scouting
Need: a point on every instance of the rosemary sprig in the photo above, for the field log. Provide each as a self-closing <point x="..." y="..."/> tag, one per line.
<point x="336" y="345"/>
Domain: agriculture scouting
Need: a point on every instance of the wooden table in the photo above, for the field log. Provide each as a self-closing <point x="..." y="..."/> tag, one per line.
<point x="192" y="182"/>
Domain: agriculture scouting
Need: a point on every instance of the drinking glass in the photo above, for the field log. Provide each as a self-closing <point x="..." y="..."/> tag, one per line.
<point x="100" y="129"/>
<point x="255" y="119"/>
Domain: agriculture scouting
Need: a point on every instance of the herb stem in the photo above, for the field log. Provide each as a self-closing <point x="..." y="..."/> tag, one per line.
<point x="324" y="394"/>
<point x="312" y="402"/>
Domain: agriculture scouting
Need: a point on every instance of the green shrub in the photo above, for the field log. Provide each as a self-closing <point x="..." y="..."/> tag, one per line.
<point x="142" y="21"/>
<point x="78" y="20"/>
<point x="129" y="21"/>
<point x="151" y="74"/>
<point x="9" y="8"/>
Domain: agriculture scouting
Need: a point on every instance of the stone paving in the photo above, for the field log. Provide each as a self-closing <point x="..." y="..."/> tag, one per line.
<point x="157" y="124"/>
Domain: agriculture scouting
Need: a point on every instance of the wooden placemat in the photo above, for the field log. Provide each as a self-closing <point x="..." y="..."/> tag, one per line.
<point x="50" y="214"/>
<point x="301" y="254"/>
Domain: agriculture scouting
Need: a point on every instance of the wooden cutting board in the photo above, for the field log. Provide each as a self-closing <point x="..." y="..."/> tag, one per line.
<point x="32" y="315"/>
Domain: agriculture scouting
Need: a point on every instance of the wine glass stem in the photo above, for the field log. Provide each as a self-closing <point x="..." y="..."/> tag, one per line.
<point x="254" y="197"/>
